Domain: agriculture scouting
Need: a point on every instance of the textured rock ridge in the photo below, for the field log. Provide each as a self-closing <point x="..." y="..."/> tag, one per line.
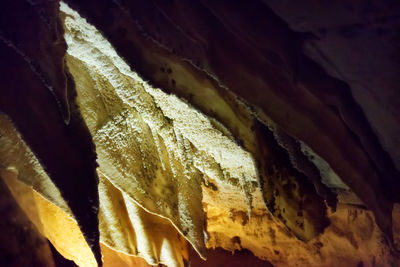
<point x="161" y="132"/>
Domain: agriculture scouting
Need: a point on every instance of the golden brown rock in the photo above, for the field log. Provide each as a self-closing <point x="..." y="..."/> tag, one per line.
<point x="207" y="170"/>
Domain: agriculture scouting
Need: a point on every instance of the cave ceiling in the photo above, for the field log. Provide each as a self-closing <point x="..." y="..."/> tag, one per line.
<point x="174" y="132"/>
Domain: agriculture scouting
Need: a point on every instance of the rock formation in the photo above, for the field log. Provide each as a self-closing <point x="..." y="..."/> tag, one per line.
<point x="201" y="133"/>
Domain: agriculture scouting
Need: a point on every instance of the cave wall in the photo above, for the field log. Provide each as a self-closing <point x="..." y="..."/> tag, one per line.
<point x="312" y="98"/>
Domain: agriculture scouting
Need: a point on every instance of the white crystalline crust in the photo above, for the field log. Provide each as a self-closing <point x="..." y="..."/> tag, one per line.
<point x="152" y="146"/>
<point x="124" y="225"/>
<point x="168" y="175"/>
<point x="154" y="151"/>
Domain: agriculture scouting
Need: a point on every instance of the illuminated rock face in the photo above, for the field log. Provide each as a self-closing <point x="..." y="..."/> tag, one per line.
<point x="194" y="169"/>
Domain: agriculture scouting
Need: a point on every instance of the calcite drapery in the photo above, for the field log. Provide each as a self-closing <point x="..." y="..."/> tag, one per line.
<point x="145" y="141"/>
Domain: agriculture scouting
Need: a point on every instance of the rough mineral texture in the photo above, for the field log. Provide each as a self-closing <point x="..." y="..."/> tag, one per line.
<point x="124" y="226"/>
<point x="200" y="133"/>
